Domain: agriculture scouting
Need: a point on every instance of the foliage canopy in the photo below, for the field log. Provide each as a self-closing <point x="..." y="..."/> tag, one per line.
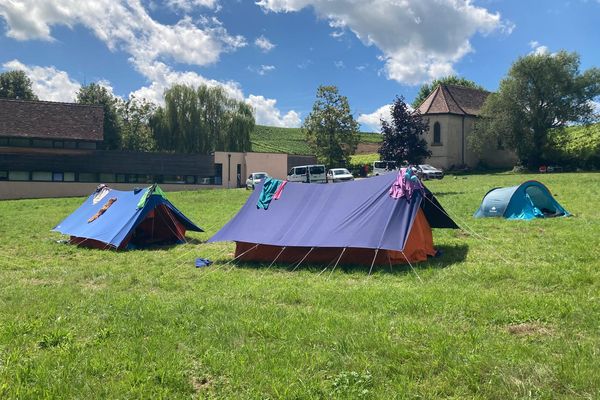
<point x="403" y="135"/>
<point x="427" y="88"/>
<point x="330" y="128"/>
<point x="540" y="92"/>
<point x="16" y="85"/>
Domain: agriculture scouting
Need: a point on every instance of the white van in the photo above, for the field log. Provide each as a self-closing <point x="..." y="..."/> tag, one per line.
<point x="383" y="167"/>
<point x="308" y="174"/>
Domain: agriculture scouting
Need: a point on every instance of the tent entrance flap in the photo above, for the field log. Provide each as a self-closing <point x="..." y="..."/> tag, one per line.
<point x="159" y="227"/>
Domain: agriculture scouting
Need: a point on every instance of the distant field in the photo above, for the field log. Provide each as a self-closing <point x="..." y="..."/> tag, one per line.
<point x="510" y="310"/>
<point x="290" y="140"/>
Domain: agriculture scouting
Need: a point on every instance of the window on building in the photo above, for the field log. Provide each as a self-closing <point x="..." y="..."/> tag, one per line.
<point x="87" y="177"/>
<point x="3" y="175"/>
<point x="132" y="178"/>
<point x="18" y="175"/>
<point x="58" y="176"/>
<point x="190" y="179"/>
<point x="59" y="144"/>
<point x="107" y="177"/>
<point x="42" y="143"/>
<point x="69" y="176"/>
<point x="70" y="145"/>
<point x="41" y="176"/>
<point x="3" y="141"/>
<point x="86" y="145"/>
<point x="19" y="142"/>
<point x="121" y="178"/>
<point x="437" y="133"/>
<point x="218" y="174"/>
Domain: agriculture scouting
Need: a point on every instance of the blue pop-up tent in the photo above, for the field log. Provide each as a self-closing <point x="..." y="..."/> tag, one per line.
<point x="528" y="200"/>
<point x="117" y="219"/>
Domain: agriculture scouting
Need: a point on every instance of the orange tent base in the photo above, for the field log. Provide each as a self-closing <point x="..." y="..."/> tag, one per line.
<point x="418" y="247"/>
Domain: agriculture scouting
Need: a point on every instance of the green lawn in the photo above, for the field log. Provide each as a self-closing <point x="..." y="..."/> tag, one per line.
<point x="514" y="314"/>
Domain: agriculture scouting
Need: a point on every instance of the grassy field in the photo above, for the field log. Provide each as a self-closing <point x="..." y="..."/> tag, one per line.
<point x="511" y="310"/>
<point x="271" y="139"/>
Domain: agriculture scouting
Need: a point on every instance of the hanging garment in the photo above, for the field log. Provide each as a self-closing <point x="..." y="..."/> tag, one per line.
<point x="406" y="184"/>
<point x="277" y="195"/>
<point x="270" y="186"/>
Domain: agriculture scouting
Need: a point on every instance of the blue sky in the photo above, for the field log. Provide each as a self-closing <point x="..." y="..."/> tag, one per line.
<point x="274" y="53"/>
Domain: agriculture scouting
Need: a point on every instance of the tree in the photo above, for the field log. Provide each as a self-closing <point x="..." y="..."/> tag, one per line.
<point x="427" y="88"/>
<point x="402" y="136"/>
<point x="540" y="92"/>
<point x="202" y="120"/>
<point x="330" y="129"/>
<point x="16" y="85"/>
<point x="99" y="95"/>
<point x="135" y="116"/>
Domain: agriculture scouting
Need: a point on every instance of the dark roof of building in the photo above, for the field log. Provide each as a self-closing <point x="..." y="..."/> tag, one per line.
<point x="452" y="99"/>
<point x="51" y="120"/>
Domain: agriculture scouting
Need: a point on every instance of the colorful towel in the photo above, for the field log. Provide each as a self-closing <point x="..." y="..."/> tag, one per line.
<point x="407" y="182"/>
<point x="277" y="194"/>
<point x="270" y="186"/>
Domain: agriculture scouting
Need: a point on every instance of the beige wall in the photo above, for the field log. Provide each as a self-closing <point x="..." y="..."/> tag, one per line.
<point x="273" y="164"/>
<point x="450" y="153"/>
<point x="230" y="177"/>
<point x="37" y="190"/>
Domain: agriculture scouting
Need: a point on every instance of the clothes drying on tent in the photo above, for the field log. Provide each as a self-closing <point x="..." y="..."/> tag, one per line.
<point x="357" y="222"/>
<point x="126" y="220"/>
<point x="526" y="201"/>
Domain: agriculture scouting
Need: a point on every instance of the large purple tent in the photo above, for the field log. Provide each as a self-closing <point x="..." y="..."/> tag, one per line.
<point x="318" y="222"/>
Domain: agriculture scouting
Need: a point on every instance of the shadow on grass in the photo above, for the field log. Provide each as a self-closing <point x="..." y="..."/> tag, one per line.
<point x="449" y="255"/>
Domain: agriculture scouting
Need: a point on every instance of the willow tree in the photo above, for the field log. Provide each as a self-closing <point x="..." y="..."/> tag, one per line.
<point x="202" y="120"/>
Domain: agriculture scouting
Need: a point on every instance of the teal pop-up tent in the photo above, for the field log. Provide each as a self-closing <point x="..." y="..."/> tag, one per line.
<point x="528" y="200"/>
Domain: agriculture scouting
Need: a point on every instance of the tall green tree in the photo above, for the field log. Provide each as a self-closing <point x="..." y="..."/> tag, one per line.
<point x="16" y="85"/>
<point x="202" y="120"/>
<point x="427" y="88"/>
<point x="403" y="135"/>
<point x="330" y="128"/>
<point x="135" y="115"/>
<point x="540" y="92"/>
<point x="100" y="95"/>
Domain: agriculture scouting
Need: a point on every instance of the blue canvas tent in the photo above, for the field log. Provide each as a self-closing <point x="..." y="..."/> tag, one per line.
<point x="351" y="222"/>
<point x="117" y="219"/>
<point x="528" y="200"/>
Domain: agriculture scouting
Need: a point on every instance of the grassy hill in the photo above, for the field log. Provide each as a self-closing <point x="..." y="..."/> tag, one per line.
<point x="512" y="315"/>
<point x="290" y="140"/>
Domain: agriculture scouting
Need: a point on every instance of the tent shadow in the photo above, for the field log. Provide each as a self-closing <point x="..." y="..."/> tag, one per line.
<point x="450" y="255"/>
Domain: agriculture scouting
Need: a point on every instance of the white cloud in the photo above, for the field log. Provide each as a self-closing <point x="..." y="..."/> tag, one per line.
<point x="264" y="44"/>
<point x="123" y="24"/>
<point x="189" y="5"/>
<point x="537" y="48"/>
<point x="373" y="121"/>
<point x="339" y="64"/>
<point x="267" y="114"/>
<point x="420" y="39"/>
<point x="126" y="25"/>
<point x="48" y="83"/>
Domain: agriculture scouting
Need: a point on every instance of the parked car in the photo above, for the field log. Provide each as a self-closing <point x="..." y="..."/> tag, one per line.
<point x="307" y="174"/>
<point x="254" y="179"/>
<point x="339" y="175"/>
<point x="383" y="167"/>
<point x="426" y="171"/>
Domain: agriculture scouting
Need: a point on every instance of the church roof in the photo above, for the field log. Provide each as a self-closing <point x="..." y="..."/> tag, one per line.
<point x="452" y="99"/>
